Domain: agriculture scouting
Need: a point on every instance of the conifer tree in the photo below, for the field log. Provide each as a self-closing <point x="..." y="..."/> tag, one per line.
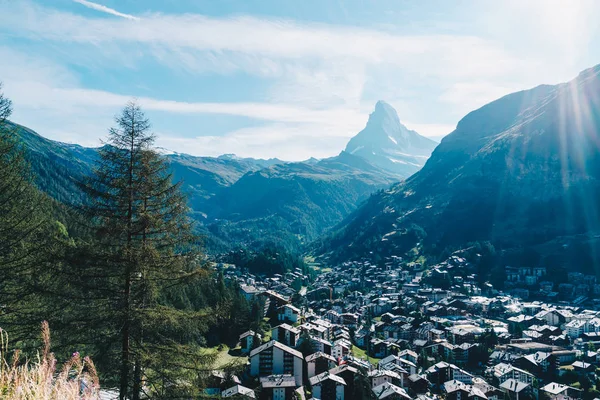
<point x="143" y="248"/>
<point x="25" y="232"/>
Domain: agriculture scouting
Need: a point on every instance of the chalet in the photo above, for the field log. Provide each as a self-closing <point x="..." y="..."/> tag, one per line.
<point x="216" y="382"/>
<point x="348" y="373"/>
<point x="559" y="391"/>
<point x="341" y="348"/>
<point x="288" y="313"/>
<point x="378" y="348"/>
<point x="409" y="355"/>
<point x="555" y="317"/>
<point x="515" y="389"/>
<point x="274" y="358"/>
<point x="249" y="340"/>
<point x="324" y="324"/>
<point x="238" y="392"/>
<point x="582" y="367"/>
<point x="319" y="362"/>
<point x="418" y="383"/>
<point x="537" y="363"/>
<point x="280" y="387"/>
<point x="249" y="292"/>
<point x="321" y="345"/>
<point x="315" y="330"/>
<point x="444" y="372"/>
<point x="328" y="386"/>
<point x="286" y="334"/>
<point x="389" y="391"/>
<point x="456" y="390"/>
<point x="503" y="372"/>
<point x="274" y="300"/>
<point x="380" y="376"/>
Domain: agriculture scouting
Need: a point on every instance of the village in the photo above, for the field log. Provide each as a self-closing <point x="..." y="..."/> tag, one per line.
<point x="383" y="328"/>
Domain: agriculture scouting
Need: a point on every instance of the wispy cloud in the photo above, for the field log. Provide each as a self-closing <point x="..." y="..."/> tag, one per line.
<point x="100" y="7"/>
<point x="243" y="42"/>
<point x="290" y="140"/>
<point x="318" y="81"/>
<point x="44" y="96"/>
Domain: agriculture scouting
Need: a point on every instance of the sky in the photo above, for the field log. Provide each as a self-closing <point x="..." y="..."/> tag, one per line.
<point x="279" y="78"/>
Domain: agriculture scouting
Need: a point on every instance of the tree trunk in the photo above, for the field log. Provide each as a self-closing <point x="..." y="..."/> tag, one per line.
<point x="137" y="379"/>
<point x="125" y="343"/>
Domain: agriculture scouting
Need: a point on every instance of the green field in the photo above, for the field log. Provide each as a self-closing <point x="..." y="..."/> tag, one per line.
<point x="360" y="353"/>
<point x="224" y="358"/>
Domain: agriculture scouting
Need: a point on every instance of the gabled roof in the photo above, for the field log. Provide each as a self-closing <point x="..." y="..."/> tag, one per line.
<point x="248" y="333"/>
<point x="454" y="385"/>
<point x="502" y="369"/>
<point x="538" y="357"/>
<point x="319" y="354"/>
<point x="325" y="376"/>
<point x="291" y="307"/>
<point x="238" y="390"/>
<point x="417" y="377"/>
<point x="278" y="381"/>
<point x="383" y="372"/>
<point x="387" y="389"/>
<point x="555" y="388"/>
<point x="581" y="364"/>
<point x="288" y="327"/>
<point x="389" y="359"/>
<point x="514" y="385"/>
<point x="274" y="343"/>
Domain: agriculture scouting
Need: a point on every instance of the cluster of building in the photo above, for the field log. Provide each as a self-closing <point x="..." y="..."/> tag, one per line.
<point x="527" y="282"/>
<point x="386" y="329"/>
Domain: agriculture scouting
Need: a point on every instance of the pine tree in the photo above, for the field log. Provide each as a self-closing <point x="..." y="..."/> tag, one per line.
<point x="362" y="386"/>
<point x="143" y="248"/>
<point x="26" y="234"/>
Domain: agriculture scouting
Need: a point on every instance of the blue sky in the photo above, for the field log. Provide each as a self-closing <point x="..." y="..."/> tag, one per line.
<point x="279" y="78"/>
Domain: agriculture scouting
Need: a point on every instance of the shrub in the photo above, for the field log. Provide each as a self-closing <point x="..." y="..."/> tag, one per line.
<point x="42" y="379"/>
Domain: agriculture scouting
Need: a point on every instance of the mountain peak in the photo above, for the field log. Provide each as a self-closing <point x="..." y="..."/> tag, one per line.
<point x="382" y="106"/>
<point x="384" y="114"/>
<point x="228" y="156"/>
<point x="387" y="143"/>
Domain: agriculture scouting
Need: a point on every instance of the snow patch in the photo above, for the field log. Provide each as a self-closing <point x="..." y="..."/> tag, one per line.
<point x="397" y="161"/>
<point x="385" y="237"/>
<point x="356" y="149"/>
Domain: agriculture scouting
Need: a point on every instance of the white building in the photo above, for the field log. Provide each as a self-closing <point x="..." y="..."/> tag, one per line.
<point x="288" y="313"/>
<point x="381" y="376"/>
<point x="275" y="358"/>
<point x="278" y="387"/>
<point x="239" y="392"/>
<point x="504" y="372"/>
<point x="340" y="348"/>
<point x="247" y="340"/>
<point x="578" y="327"/>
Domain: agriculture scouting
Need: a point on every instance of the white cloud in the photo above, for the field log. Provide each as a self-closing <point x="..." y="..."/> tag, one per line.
<point x="42" y="96"/>
<point x="234" y="40"/>
<point x="100" y="7"/>
<point x="431" y="130"/>
<point x="474" y="94"/>
<point x="321" y="80"/>
<point x="73" y="114"/>
<point x="290" y="140"/>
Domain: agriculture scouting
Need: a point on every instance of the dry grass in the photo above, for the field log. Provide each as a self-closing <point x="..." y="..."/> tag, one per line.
<point x="42" y="379"/>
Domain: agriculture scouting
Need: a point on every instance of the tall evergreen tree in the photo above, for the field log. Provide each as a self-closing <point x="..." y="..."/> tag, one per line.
<point x="143" y="248"/>
<point x="25" y="233"/>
